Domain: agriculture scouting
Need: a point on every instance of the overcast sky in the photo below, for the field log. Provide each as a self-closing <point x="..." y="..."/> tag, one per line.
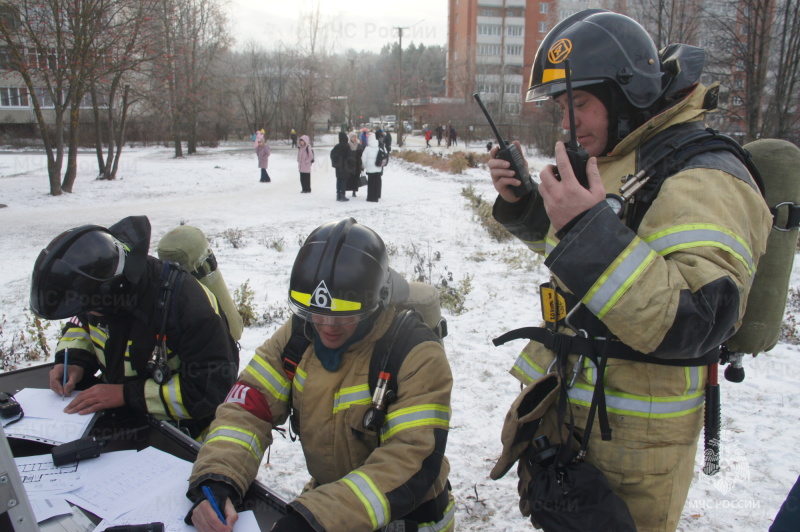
<point x="358" y="25"/>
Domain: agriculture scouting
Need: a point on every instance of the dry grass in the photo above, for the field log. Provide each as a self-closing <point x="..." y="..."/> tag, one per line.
<point x="454" y="163"/>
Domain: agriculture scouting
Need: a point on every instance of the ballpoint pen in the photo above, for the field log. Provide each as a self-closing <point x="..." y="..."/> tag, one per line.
<point x="64" y="381"/>
<point x="214" y="505"/>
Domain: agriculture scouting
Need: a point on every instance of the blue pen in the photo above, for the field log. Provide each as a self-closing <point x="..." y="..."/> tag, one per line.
<point x="64" y="384"/>
<point x="214" y="505"/>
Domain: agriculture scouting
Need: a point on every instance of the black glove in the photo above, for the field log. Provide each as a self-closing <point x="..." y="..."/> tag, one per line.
<point x="222" y="492"/>
<point x="292" y="523"/>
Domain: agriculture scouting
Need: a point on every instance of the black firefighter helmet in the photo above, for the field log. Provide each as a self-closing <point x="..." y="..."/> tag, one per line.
<point x="602" y="46"/>
<point x="88" y="268"/>
<point x="342" y="271"/>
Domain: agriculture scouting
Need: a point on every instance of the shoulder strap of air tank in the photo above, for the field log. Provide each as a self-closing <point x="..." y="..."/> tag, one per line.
<point x="686" y="141"/>
<point x="295" y="347"/>
<point x="169" y="285"/>
<point x="406" y="332"/>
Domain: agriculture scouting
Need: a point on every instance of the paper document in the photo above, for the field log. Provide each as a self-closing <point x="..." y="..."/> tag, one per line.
<point x="42" y="480"/>
<point x="47" y="508"/>
<point x="122" y="486"/>
<point x="45" y="419"/>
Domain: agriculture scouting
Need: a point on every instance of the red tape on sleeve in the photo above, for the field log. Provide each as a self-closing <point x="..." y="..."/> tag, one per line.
<point x="251" y="400"/>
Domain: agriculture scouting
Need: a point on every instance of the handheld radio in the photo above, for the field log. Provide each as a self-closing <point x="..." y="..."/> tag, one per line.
<point x="509" y="152"/>
<point x="578" y="156"/>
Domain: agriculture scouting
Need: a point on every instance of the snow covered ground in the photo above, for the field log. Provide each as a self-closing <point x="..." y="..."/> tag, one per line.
<point x="218" y="191"/>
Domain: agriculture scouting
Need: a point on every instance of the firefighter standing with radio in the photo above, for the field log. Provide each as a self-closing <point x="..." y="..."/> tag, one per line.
<point x="375" y="457"/>
<point x="665" y="276"/>
<point x="164" y="352"/>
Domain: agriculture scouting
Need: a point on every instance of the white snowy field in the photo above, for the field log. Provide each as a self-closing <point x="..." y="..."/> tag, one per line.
<point x="218" y="191"/>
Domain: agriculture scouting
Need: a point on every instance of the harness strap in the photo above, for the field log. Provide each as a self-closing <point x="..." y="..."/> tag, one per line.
<point x="561" y="343"/>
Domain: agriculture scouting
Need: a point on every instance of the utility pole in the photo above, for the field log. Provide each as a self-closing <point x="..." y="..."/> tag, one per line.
<point x="399" y="128"/>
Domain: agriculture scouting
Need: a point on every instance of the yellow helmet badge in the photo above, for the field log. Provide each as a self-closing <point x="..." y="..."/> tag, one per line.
<point x="557" y="54"/>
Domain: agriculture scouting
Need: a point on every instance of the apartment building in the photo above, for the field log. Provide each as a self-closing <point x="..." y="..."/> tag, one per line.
<point x="492" y="45"/>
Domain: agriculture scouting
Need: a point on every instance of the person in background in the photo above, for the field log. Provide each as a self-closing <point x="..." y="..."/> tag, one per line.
<point x="305" y="158"/>
<point x="293" y="136"/>
<point x="354" y="163"/>
<point x="664" y="282"/>
<point x="262" y="151"/>
<point x="339" y="158"/>
<point x="374" y="172"/>
<point x="110" y="290"/>
<point x="387" y="141"/>
<point x="427" y="137"/>
<point x="365" y="476"/>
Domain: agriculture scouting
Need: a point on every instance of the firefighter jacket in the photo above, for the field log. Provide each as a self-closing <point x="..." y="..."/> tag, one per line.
<point x="362" y="479"/>
<point x="202" y="355"/>
<point x="674" y="289"/>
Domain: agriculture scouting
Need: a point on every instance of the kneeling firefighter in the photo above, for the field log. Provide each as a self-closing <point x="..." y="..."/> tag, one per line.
<point x="153" y="332"/>
<point x="646" y="284"/>
<point x="370" y="404"/>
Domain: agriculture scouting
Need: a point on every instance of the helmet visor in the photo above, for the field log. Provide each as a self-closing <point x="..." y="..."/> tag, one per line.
<point x="60" y="290"/>
<point x="339" y="312"/>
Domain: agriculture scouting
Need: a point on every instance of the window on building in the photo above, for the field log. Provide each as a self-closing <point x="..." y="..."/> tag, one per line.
<point x="489" y="29"/>
<point x="513" y="88"/>
<point x="489" y="49"/>
<point x="543" y="7"/>
<point x="489" y="12"/>
<point x="6" y="59"/>
<point x="513" y="49"/>
<point x="43" y="95"/>
<point x="542" y="27"/>
<point x="513" y="108"/>
<point x="737" y="100"/>
<point x="514" y="30"/>
<point x="13" y="97"/>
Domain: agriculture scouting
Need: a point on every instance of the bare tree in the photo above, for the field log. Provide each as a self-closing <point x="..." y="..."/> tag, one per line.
<point x="193" y="35"/>
<point x="49" y="46"/>
<point x="742" y="31"/>
<point x="669" y="21"/>
<point x="128" y="44"/>
<point x="782" y="119"/>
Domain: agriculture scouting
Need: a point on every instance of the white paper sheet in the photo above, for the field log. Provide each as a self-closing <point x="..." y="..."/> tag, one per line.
<point x="45" y="419"/>
<point x="47" y="508"/>
<point x="42" y="480"/>
<point x="117" y="489"/>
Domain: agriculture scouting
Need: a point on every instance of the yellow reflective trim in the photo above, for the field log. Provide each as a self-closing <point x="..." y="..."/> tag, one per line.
<point x="439" y="421"/>
<point x="743" y="255"/>
<point x="634" y="248"/>
<point x="232" y="439"/>
<point x="644" y="400"/>
<point x="299" y="381"/>
<point x="98" y="335"/>
<point x="338" y="305"/>
<point x="281" y="396"/>
<point x="352" y="480"/>
<point x="552" y="74"/>
<point x="171" y="391"/>
<point x="212" y="299"/>
<point x="152" y="398"/>
<point x="360" y="394"/>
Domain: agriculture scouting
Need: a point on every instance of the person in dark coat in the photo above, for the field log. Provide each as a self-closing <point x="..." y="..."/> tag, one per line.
<point x="354" y="163"/>
<point x="339" y="156"/>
